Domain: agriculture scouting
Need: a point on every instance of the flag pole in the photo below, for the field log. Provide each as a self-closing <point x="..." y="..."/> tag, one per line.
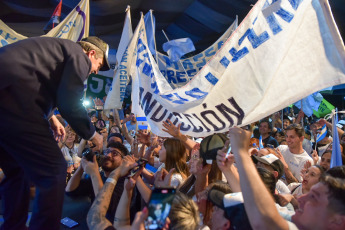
<point x="153" y="31"/>
<point x="302" y="111"/>
<point x="179" y="60"/>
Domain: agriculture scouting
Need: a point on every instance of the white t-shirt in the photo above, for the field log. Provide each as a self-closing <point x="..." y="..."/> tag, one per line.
<point x="71" y="155"/>
<point x="295" y="161"/>
<point x="296" y="189"/>
<point x="282" y="187"/>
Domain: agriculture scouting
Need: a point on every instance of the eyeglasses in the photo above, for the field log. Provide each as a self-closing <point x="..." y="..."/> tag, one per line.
<point x="113" y="153"/>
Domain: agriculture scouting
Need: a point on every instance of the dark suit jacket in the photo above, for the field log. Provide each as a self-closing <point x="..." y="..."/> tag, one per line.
<point x="39" y="74"/>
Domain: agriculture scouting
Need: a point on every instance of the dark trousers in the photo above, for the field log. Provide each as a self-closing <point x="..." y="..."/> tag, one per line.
<point x="28" y="153"/>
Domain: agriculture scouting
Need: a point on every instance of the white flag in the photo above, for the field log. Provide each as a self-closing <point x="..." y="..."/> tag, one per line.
<point x="282" y="52"/>
<point x="76" y="24"/>
<point x="117" y="91"/>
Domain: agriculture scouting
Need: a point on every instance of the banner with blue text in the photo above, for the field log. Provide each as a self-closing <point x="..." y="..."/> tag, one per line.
<point x="283" y="51"/>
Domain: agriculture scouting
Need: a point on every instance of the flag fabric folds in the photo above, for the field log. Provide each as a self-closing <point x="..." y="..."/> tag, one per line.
<point x="310" y="103"/>
<point x="264" y="57"/>
<point x="76" y="24"/>
<point x="117" y="90"/>
<point x="150" y="26"/>
<point x="178" y="47"/>
<point x="55" y="18"/>
<point x="322" y="134"/>
<point x="336" y="159"/>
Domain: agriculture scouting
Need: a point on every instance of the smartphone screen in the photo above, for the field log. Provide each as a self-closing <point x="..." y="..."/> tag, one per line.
<point x="159" y="207"/>
<point x="69" y="222"/>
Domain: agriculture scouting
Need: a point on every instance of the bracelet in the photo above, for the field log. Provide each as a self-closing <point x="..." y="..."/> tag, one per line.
<point x="110" y="180"/>
<point x="118" y="219"/>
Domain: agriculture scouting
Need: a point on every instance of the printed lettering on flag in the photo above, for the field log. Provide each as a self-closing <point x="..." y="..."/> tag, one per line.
<point x="8" y="36"/>
<point x="174" y="72"/>
<point x="76" y="24"/>
<point x="117" y="90"/>
<point x="243" y="81"/>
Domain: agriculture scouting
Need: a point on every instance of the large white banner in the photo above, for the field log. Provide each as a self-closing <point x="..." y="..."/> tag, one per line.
<point x="283" y="51"/>
<point x="76" y="25"/>
<point x="176" y="74"/>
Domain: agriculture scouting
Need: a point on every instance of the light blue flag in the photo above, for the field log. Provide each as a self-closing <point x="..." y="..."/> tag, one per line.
<point x="178" y="47"/>
<point x="142" y="123"/>
<point x="336" y="153"/>
<point x="310" y="103"/>
<point x="150" y="26"/>
<point x="261" y="146"/>
<point x="322" y="134"/>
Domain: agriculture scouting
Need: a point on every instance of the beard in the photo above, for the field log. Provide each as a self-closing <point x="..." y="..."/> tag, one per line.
<point x="108" y="164"/>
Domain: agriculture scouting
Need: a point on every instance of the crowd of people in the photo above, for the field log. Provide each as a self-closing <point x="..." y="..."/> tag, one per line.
<point x="271" y="174"/>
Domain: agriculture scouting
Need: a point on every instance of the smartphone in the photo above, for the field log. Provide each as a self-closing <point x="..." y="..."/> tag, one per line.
<point x="159" y="207"/>
<point x="69" y="222"/>
<point x="141" y="163"/>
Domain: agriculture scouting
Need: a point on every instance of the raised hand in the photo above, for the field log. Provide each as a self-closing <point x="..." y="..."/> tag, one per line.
<point x="163" y="178"/>
<point x="240" y="139"/>
<point x="171" y="128"/>
<point x="144" y="137"/>
<point x="225" y="162"/>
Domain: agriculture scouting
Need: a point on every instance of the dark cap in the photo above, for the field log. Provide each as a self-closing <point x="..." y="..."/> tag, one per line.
<point x="102" y="46"/>
<point x="272" y="161"/>
<point x="115" y="135"/>
<point x="210" y="145"/>
<point x="233" y="207"/>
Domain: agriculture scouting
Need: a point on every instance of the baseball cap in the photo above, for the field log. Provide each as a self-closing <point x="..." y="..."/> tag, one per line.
<point x="233" y="206"/>
<point x="102" y="46"/>
<point x="115" y="135"/>
<point x="210" y="145"/>
<point x="272" y="161"/>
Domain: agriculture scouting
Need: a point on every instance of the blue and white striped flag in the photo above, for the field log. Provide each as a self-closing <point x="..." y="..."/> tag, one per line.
<point x="322" y="134"/>
<point x="336" y="159"/>
<point x="142" y="123"/>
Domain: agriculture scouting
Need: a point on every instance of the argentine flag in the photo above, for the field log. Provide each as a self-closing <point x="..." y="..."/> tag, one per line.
<point x="322" y="134"/>
<point x="142" y="123"/>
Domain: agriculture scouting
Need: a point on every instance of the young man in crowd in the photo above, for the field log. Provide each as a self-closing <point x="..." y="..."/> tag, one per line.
<point x="265" y="129"/>
<point x="293" y="156"/>
<point x="37" y="75"/>
<point x="78" y="186"/>
<point x="322" y="208"/>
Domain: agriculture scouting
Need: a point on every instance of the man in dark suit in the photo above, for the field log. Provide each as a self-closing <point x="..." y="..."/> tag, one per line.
<point x="37" y="75"/>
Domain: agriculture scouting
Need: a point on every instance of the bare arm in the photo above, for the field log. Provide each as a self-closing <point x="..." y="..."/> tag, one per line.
<point x="226" y="165"/>
<point x="144" y="190"/>
<point x="259" y="204"/>
<point x="74" y="182"/>
<point x="122" y="215"/>
<point x="175" y="132"/>
<point x="290" y="178"/>
<point x="96" y="216"/>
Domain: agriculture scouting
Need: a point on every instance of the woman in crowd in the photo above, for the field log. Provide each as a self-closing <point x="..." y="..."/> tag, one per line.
<point x="311" y="177"/>
<point x="70" y="148"/>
